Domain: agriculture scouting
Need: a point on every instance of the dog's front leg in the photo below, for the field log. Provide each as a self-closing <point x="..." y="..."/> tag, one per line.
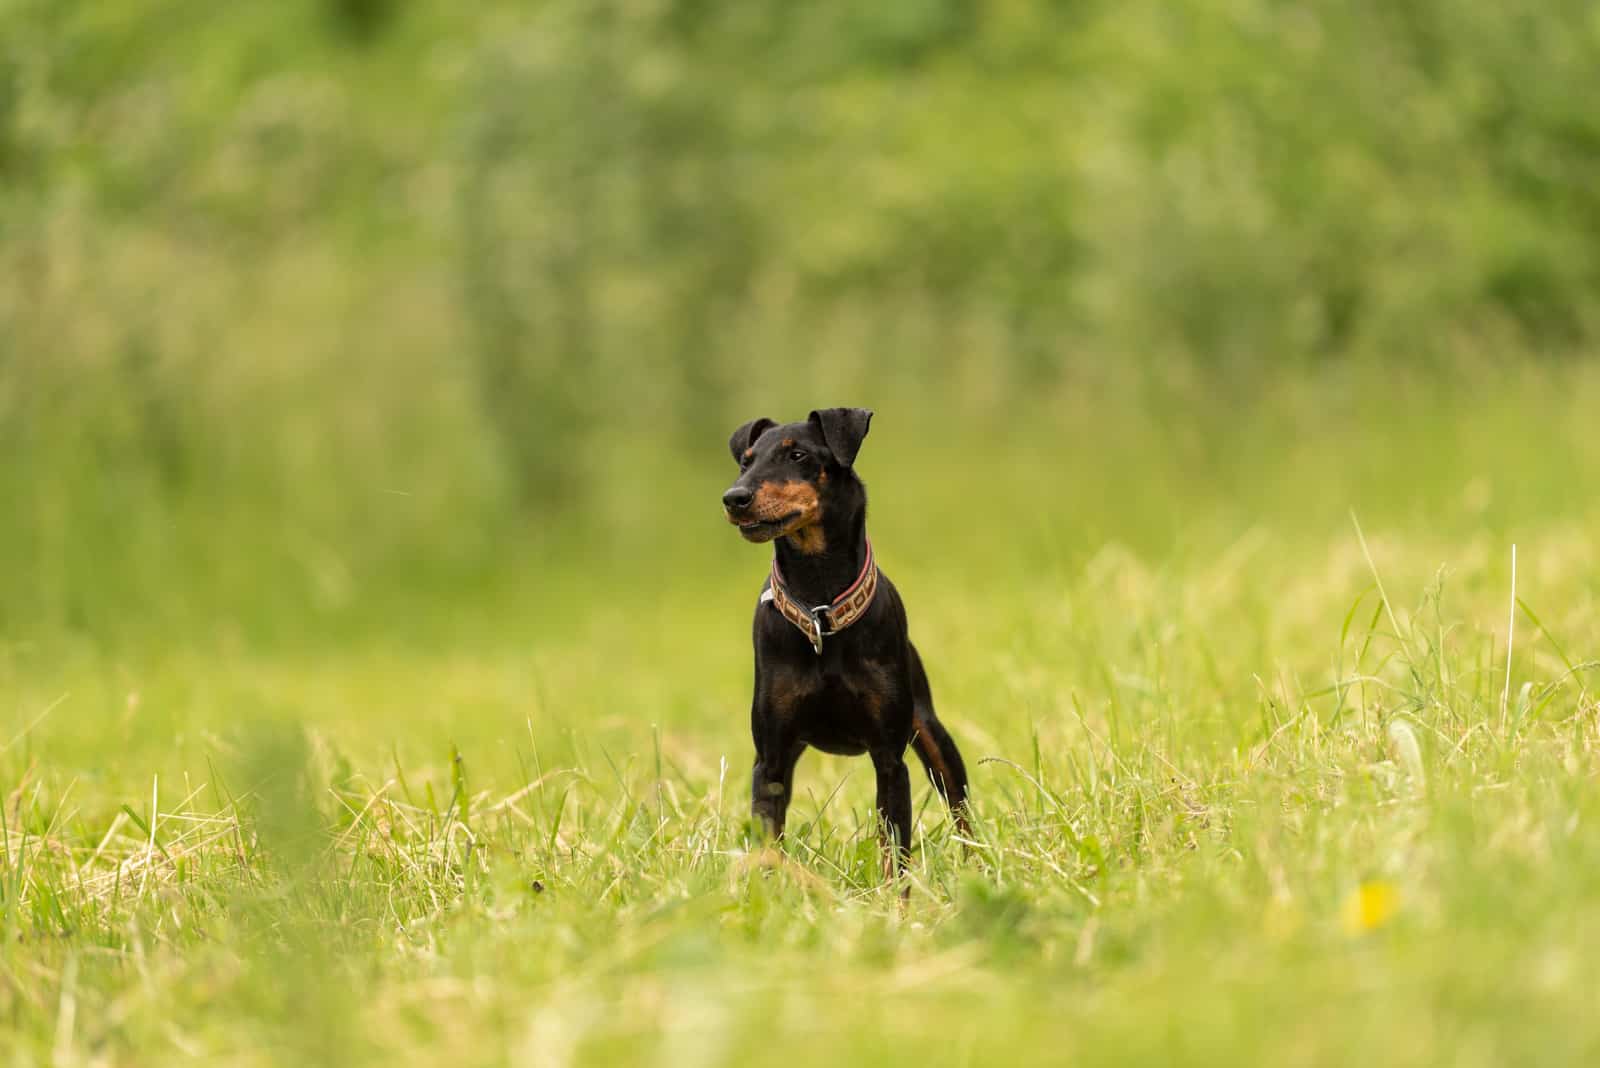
<point x="894" y="808"/>
<point x="772" y="782"/>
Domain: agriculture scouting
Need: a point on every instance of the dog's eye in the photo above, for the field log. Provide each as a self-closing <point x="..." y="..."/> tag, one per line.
<point x="797" y="456"/>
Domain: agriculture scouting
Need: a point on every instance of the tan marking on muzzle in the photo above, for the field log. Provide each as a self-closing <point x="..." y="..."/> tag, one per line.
<point x="774" y="500"/>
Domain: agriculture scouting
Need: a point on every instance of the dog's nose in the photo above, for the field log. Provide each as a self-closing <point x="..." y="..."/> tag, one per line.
<point x="738" y="498"/>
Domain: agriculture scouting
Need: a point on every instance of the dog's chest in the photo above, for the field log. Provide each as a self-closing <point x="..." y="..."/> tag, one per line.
<point x="840" y="711"/>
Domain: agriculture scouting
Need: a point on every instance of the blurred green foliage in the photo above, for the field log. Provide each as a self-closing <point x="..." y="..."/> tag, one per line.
<point x="334" y="289"/>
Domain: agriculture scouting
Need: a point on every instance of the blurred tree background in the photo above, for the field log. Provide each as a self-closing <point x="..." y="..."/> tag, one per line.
<point x="296" y="298"/>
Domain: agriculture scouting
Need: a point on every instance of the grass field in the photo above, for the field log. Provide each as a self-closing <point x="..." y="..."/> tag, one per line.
<point x="374" y="663"/>
<point x="1262" y="772"/>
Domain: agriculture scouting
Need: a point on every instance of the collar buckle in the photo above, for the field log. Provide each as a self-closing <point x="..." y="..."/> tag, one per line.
<point x="816" y="615"/>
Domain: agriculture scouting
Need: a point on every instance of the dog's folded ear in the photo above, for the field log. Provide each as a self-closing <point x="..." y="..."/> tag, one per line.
<point x="746" y="436"/>
<point x="843" y="429"/>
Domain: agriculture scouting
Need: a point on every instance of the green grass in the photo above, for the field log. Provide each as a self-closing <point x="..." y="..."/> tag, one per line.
<point x="374" y="660"/>
<point x="1232" y="804"/>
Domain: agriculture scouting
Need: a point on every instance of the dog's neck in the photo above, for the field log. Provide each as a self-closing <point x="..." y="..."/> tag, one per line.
<point x="816" y="578"/>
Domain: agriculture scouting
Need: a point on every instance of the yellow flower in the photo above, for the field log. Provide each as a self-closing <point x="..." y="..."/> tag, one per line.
<point x="1369" y="906"/>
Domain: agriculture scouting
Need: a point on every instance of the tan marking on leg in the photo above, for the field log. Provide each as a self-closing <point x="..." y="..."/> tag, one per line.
<point x="935" y="758"/>
<point x="924" y="741"/>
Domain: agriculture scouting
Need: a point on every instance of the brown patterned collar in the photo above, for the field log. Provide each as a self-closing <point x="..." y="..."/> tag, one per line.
<point x="838" y="614"/>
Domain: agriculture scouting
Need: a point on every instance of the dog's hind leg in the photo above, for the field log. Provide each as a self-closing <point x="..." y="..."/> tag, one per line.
<point x="935" y="748"/>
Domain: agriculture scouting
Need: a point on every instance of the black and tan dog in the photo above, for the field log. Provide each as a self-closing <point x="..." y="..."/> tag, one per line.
<point x="834" y="666"/>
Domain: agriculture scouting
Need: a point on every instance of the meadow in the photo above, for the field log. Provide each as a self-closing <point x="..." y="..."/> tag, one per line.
<point x="1256" y="774"/>
<point x="374" y="655"/>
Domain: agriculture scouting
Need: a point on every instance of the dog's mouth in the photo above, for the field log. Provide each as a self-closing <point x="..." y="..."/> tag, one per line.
<point x="753" y="528"/>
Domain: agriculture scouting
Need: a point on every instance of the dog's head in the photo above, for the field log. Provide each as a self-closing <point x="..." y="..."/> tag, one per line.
<point x="791" y="475"/>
